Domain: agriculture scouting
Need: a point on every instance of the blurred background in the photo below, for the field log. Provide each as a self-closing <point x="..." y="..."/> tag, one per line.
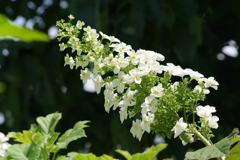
<point x="202" y="35"/>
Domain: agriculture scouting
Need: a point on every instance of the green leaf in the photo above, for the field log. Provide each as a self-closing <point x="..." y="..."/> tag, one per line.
<point x="73" y="154"/>
<point x="27" y="136"/>
<point x="106" y="157"/>
<point x="29" y="151"/>
<point x="89" y="156"/>
<point x="47" y="124"/>
<point x="19" y="151"/>
<point x="8" y="31"/>
<point x="72" y="134"/>
<point x="234" y="152"/>
<point x="237" y="139"/>
<point x="150" y="154"/>
<point x="51" y="140"/>
<point x="125" y="154"/>
<point x="61" y="158"/>
<point x="64" y="158"/>
<point x="219" y="149"/>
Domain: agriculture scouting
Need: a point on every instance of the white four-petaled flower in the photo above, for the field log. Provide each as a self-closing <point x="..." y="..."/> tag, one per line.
<point x="179" y="127"/>
<point x="205" y="111"/>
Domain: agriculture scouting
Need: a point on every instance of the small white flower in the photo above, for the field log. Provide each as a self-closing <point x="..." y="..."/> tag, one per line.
<point x="62" y="46"/>
<point x="71" y="17"/>
<point x="194" y="74"/>
<point x="136" y="129"/>
<point x="123" y="111"/>
<point x="120" y="63"/>
<point x="136" y="74"/>
<point x="133" y="57"/>
<point x="98" y="65"/>
<point x="3" y="138"/>
<point x="157" y="91"/>
<point x="147" y="119"/>
<point x="205" y="111"/>
<point x="85" y="75"/>
<point x="3" y="144"/>
<point x="179" y="127"/>
<point x="120" y="82"/>
<point x="98" y="81"/>
<point x="149" y="105"/>
<point x="212" y="122"/>
<point x="69" y="61"/>
<point x="210" y="82"/>
<point x="80" y="24"/>
<point x="128" y="97"/>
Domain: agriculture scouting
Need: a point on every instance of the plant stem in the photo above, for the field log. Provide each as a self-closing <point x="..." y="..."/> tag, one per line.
<point x="184" y="113"/>
<point x="54" y="156"/>
<point x="202" y="138"/>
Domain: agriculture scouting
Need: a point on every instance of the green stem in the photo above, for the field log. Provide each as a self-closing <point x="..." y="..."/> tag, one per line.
<point x="193" y="118"/>
<point x="184" y="113"/>
<point x="202" y="138"/>
<point x="54" y="156"/>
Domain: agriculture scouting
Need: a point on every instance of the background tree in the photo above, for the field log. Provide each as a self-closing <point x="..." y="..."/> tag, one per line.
<point x="189" y="33"/>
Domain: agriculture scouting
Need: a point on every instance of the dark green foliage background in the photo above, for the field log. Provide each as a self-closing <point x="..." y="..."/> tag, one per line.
<point x="189" y="33"/>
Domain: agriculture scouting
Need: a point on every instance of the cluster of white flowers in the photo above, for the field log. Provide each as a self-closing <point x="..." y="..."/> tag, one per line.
<point x="128" y="67"/>
<point x="203" y="112"/>
<point x="206" y="113"/>
<point x="3" y="144"/>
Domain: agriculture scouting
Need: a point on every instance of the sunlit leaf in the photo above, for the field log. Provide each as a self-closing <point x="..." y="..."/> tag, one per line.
<point x="234" y="152"/>
<point x="89" y="156"/>
<point x="150" y="154"/>
<point x="9" y="31"/>
<point x="47" y="124"/>
<point x="28" y="151"/>
<point x="106" y="157"/>
<point x="72" y="134"/>
<point x="26" y="136"/>
<point x="125" y="154"/>
<point x="237" y="139"/>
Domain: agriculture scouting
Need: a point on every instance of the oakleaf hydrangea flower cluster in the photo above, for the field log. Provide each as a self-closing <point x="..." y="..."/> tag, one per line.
<point x="138" y="84"/>
<point x="3" y="144"/>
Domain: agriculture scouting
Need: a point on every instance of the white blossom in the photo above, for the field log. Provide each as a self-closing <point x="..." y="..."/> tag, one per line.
<point x="179" y="127"/>
<point x="149" y="105"/>
<point x="120" y="63"/>
<point x="136" y="129"/>
<point x="136" y="74"/>
<point x="194" y="74"/>
<point x="205" y="111"/>
<point x="120" y="82"/>
<point x="212" y="121"/>
<point x="210" y="82"/>
<point x="3" y="144"/>
<point x="147" y="119"/>
<point x="98" y="81"/>
<point x="80" y="24"/>
<point x="85" y="75"/>
<point x="157" y="91"/>
<point x="69" y="61"/>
